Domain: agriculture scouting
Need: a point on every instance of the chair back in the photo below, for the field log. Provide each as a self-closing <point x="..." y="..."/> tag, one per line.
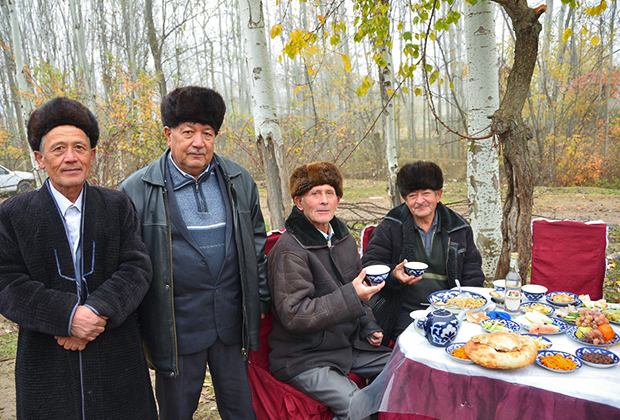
<point x="365" y="238"/>
<point x="569" y="256"/>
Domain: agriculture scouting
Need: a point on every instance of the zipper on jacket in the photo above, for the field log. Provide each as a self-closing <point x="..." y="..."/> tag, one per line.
<point x="171" y="285"/>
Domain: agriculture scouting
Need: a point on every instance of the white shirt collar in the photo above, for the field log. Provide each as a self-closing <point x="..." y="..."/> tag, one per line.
<point x="63" y="202"/>
<point x="185" y="174"/>
<point x="329" y="234"/>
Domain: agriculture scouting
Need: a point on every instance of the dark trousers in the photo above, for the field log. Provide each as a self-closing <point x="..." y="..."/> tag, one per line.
<point x="178" y="397"/>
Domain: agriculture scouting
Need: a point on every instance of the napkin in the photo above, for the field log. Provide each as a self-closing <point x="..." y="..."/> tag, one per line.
<point x="498" y="315"/>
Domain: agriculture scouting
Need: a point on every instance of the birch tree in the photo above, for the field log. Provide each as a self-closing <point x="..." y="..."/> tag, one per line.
<point x="266" y="126"/>
<point x="482" y="157"/>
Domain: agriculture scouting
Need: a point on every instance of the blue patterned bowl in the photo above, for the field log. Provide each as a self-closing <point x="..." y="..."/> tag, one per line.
<point x="377" y="273"/>
<point x="534" y="291"/>
<point x="415" y="269"/>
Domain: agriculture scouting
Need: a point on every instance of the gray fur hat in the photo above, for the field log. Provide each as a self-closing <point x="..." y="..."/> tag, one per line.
<point x="193" y="104"/>
<point x="61" y="111"/>
<point x="419" y="175"/>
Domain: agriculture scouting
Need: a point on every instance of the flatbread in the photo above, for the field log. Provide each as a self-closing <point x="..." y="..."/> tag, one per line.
<point x="500" y="350"/>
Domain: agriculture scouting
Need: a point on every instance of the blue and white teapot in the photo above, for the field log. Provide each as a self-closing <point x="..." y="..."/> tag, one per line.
<point x="440" y="327"/>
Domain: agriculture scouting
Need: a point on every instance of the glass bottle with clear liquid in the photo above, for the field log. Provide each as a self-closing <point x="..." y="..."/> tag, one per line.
<point x="512" y="298"/>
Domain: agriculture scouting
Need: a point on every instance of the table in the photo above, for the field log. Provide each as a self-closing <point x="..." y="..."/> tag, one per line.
<point x="421" y="379"/>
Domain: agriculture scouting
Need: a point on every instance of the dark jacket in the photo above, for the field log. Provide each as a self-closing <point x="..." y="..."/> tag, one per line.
<point x="39" y="292"/>
<point x="318" y="316"/>
<point x="463" y="261"/>
<point x="148" y="191"/>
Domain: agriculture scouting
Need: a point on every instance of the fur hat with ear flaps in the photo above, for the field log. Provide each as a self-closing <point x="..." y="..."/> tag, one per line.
<point x="193" y="104"/>
<point x="419" y="175"/>
<point x="57" y="112"/>
<point x="309" y="176"/>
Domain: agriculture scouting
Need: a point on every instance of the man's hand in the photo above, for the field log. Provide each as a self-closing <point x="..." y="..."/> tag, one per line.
<point x="401" y="276"/>
<point x="363" y="290"/>
<point x="375" y="338"/>
<point x="71" y="343"/>
<point x="86" y="324"/>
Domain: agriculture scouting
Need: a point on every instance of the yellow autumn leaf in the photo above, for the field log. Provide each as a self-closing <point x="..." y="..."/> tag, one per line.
<point x="584" y="31"/>
<point x="310" y="71"/>
<point x="595" y="40"/>
<point x="347" y="63"/>
<point x="567" y="34"/>
<point x="390" y="92"/>
<point x="322" y="19"/>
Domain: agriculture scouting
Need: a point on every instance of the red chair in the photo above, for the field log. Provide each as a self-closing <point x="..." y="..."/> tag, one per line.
<point x="365" y="237"/>
<point x="272" y="399"/>
<point x="569" y="256"/>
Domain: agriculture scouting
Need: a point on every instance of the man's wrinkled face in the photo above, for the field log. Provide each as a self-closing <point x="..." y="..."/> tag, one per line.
<point x="319" y="205"/>
<point x="66" y="155"/>
<point x="422" y="203"/>
<point x="191" y="146"/>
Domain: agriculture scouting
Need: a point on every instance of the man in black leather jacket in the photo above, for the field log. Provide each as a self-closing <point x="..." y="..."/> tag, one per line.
<point x="421" y="229"/>
<point x="203" y="227"/>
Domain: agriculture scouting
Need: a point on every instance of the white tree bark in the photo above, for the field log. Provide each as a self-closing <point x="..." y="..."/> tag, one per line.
<point x="386" y="79"/>
<point x="23" y="100"/>
<point x="80" y="37"/>
<point x="482" y="158"/>
<point x="266" y="124"/>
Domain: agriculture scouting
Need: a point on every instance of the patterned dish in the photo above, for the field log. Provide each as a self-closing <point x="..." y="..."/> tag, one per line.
<point x="545" y="353"/>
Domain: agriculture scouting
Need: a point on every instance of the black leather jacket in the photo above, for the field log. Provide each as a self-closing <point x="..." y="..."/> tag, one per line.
<point x="147" y="190"/>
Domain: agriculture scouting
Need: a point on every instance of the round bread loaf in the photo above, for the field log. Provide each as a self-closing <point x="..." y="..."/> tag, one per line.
<point x="500" y="350"/>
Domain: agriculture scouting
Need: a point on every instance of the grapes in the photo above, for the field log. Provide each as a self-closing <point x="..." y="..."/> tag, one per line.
<point x="592" y="318"/>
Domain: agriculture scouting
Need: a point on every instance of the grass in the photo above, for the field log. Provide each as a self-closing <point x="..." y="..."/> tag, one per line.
<point x="8" y="346"/>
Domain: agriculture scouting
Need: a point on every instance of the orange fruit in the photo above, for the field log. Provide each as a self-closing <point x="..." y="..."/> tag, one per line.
<point x="607" y="331"/>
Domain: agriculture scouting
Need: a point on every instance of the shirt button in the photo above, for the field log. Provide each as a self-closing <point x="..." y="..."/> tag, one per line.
<point x="203" y="262"/>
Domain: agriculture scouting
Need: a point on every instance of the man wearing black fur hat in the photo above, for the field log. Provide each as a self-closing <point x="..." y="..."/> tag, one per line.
<point x="73" y="269"/>
<point x="421" y="229"/>
<point x="204" y="229"/>
<point x="322" y="329"/>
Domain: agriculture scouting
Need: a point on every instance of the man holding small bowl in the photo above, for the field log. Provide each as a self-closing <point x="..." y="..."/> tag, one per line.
<point x="426" y="245"/>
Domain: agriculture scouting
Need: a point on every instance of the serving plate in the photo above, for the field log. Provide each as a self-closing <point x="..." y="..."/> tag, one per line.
<point x="453" y="347"/>
<point x="557" y="322"/>
<point x="511" y="325"/>
<point x="540" y="337"/>
<point x="545" y="353"/>
<point x="549" y="308"/>
<point x="582" y="350"/>
<point x="613" y="306"/>
<point x="571" y="333"/>
<point x="575" y="302"/>
<point x="439" y="299"/>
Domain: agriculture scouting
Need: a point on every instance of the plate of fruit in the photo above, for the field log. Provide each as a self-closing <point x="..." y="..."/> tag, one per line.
<point x="597" y="357"/>
<point x="592" y="327"/>
<point x="537" y="323"/>
<point x="612" y="313"/>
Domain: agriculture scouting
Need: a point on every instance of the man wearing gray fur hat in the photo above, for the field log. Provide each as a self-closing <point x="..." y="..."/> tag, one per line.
<point x="421" y="229"/>
<point x="322" y="329"/>
<point x="203" y="227"/>
<point x="73" y="269"/>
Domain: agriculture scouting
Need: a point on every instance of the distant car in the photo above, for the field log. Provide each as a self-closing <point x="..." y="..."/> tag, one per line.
<point x="15" y="181"/>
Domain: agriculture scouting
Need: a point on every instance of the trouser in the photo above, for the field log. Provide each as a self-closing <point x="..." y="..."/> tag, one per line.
<point x="178" y="397"/>
<point x="334" y="390"/>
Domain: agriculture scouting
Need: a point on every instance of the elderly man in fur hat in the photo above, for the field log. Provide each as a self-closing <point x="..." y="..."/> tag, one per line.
<point x="322" y="329"/>
<point x="73" y="269"/>
<point x="421" y="229"/>
<point x="203" y="227"/>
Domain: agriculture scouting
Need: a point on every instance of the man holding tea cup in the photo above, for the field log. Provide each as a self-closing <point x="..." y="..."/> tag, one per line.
<point x="424" y="230"/>
<point x="322" y="328"/>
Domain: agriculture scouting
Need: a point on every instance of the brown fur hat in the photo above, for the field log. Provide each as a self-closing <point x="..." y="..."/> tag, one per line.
<point x="309" y="176"/>
<point x="61" y="111"/>
<point x="419" y="175"/>
<point x="193" y="104"/>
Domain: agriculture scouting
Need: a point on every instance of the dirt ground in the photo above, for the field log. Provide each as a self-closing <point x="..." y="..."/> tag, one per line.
<point x="581" y="205"/>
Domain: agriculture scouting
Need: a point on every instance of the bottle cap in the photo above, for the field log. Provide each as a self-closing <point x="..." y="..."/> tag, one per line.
<point x="514" y="255"/>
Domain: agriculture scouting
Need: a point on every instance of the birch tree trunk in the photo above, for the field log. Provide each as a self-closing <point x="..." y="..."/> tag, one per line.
<point x="79" y="37"/>
<point x="266" y="125"/>
<point x="482" y="157"/>
<point x="22" y="101"/>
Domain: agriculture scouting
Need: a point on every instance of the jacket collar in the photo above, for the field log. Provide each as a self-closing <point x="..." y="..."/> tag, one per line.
<point x="450" y="220"/>
<point x="307" y="234"/>
<point x="155" y="173"/>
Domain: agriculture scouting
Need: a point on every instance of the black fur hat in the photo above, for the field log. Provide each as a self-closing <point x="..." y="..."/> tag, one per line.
<point x="419" y="175"/>
<point x="309" y="176"/>
<point x="193" y="104"/>
<point x="61" y="111"/>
